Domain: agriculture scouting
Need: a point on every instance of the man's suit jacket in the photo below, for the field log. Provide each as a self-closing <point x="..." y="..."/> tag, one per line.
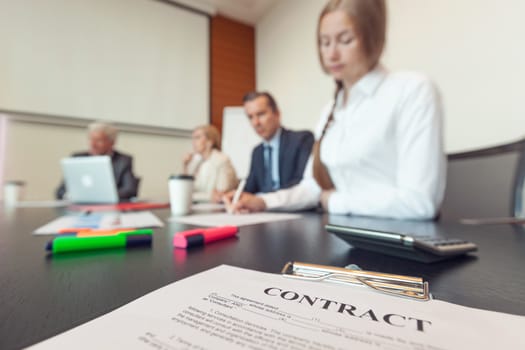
<point x="294" y="150"/>
<point x="127" y="183"/>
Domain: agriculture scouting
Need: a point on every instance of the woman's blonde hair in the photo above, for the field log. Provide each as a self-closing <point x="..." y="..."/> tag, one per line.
<point x="212" y="134"/>
<point x="369" y="17"/>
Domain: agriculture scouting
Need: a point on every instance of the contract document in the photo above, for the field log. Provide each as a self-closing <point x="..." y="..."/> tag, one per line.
<point x="232" y="308"/>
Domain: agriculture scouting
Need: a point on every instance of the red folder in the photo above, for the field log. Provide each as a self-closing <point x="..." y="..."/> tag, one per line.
<point x="126" y="206"/>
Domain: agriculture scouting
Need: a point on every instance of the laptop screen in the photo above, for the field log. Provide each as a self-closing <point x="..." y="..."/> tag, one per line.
<point x="89" y="179"/>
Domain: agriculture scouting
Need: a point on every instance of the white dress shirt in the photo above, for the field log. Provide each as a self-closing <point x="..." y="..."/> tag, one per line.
<point x="384" y="151"/>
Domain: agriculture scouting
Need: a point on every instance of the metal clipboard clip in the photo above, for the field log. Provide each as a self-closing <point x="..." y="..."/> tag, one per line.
<point x="398" y="285"/>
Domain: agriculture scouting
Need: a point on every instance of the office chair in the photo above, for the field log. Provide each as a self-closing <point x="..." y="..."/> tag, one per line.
<point x="137" y="181"/>
<point x="485" y="183"/>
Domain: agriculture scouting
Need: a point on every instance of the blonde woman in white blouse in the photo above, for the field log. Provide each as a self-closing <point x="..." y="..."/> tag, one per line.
<point x="379" y="148"/>
<point x="212" y="169"/>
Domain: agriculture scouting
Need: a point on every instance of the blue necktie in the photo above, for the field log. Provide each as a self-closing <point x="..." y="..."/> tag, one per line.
<point x="268" y="178"/>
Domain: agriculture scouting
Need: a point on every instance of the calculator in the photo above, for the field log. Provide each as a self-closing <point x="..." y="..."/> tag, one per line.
<point x="420" y="248"/>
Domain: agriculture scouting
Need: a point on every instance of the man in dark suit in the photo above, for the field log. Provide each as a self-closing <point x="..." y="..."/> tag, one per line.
<point x="102" y="137"/>
<point x="279" y="161"/>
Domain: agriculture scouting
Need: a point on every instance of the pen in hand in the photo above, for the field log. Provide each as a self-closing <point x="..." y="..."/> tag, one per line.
<point x="237" y="195"/>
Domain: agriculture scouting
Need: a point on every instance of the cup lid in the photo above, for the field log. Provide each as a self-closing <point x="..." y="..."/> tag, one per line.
<point x="181" y="177"/>
<point x="15" y="182"/>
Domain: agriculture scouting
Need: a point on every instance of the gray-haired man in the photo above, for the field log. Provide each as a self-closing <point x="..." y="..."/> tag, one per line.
<point x="102" y="137"/>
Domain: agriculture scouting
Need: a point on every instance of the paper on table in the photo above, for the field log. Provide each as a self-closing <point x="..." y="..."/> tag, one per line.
<point x="101" y="221"/>
<point x="221" y="219"/>
<point x="207" y="207"/>
<point x="493" y="221"/>
<point x="42" y="204"/>
<point x="256" y="310"/>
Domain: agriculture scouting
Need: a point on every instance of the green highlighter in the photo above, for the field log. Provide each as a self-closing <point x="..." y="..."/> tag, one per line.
<point x="71" y="243"/>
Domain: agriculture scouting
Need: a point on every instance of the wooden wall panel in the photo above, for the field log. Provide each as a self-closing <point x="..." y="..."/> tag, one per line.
<point x="232" y="64"/>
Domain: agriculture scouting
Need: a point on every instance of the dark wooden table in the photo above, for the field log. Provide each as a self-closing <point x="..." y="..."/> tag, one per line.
<point x="41" y="296"/>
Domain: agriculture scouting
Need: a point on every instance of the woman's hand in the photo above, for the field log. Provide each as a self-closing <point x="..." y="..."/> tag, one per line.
<point x="187" y="158"/>
<point x="325" y="197"/>
<point x="186" y="161"/>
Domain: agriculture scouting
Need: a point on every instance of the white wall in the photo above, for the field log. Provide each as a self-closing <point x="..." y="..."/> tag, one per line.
<point x="472" y="49"/>
<point x="33" y="152"/>
<point x="287" y="64"/>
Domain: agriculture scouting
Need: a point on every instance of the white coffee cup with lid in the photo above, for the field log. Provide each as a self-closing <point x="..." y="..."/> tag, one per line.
<point x="181" y="191"/>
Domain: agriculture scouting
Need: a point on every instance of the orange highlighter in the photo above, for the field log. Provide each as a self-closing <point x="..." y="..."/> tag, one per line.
<point x="201" y="236"/>
<point x="87" y="232"/>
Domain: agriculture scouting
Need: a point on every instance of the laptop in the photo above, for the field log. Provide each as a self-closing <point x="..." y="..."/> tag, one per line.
<point x="89" y="180"/>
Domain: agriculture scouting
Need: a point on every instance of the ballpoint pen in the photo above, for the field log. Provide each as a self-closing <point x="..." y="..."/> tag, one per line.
<point x="237" y="194"/>
<point x="86" y="232"/>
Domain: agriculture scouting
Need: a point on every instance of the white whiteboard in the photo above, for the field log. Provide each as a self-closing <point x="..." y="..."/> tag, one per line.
<point x="238" y="139"/>
<point x="130" y="61"/>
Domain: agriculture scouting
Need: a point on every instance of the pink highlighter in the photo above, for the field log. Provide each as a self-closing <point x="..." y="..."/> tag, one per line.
<point x="201" y="236"/>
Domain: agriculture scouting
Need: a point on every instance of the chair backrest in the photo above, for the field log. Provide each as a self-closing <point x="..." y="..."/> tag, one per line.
<point x="485" y="183"/>
<point x="137" y="181"/>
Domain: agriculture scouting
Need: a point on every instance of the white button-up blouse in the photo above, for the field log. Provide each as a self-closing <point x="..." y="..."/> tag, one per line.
<point x="383" y="150"/>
